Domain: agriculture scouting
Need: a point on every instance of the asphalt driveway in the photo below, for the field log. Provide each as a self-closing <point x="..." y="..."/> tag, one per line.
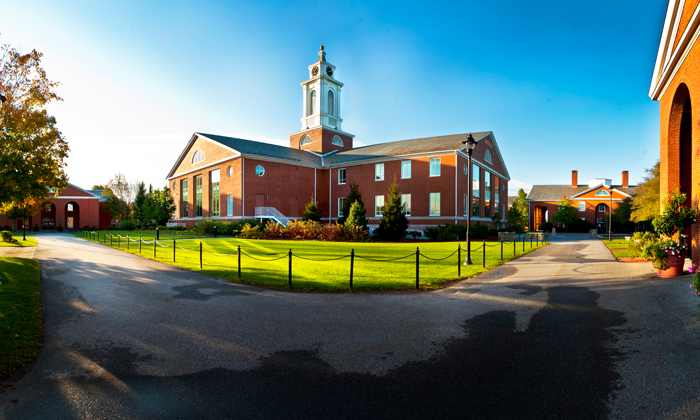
<point x="564" y="332"/>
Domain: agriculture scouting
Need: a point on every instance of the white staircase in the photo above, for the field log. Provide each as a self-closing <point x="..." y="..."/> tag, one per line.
<point x="271" y="213"/>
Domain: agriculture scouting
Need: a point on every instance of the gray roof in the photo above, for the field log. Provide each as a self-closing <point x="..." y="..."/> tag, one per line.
<point x="511" y="198"/>
<point x="97" y="193"/>
<point x="450" y="143"/>
<point x="555" y="192"/>
<point x="251" y="147"/>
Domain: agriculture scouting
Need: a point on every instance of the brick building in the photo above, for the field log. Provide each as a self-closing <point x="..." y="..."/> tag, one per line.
<point x="72" y="208"/>
<point x="229" y="178"/>
<point x="676" y="85"/>
<point x="593" y="200"/>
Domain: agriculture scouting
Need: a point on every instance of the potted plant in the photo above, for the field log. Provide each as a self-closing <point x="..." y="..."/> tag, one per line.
<point x="668" y="255"/>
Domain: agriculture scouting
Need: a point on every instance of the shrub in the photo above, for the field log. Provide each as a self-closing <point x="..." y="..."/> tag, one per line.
<point x="492" y="232"/>
<point x="580" y="226"/>
<point x="432" y="232"/>
<point x="273" y="230"/>
<point x="416" y="234"/>
<point x="251" y="232"/>
<point x="59" y="228"/>
<point x="7" y="228"/>
<point x="546" y="226"/>
<point x="206" y="226"/>
<point x="6" y="236"/>
<point x="93" y="228"/>
<point x="355" y="233"/>
<point x="35" y="228"/>
<point x="479" y="231"/>
<point x="86" y="227"/>
<point x="641" y="243"/>
<point x="332" y="232"/>
<point x="442" y="232"/>
<point x="126" y="225"/>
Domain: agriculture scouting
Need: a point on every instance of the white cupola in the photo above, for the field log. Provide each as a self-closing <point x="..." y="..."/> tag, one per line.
<point x="321" y="96"/>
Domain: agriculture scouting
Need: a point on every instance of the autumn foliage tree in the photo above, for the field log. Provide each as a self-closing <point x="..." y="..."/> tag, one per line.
<point x="33" y="152"/>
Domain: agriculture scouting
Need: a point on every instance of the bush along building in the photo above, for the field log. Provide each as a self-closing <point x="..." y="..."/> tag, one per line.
<point x="592" y="201"/>
<point x="676" y="85"/>
<point x="229" y="178"/>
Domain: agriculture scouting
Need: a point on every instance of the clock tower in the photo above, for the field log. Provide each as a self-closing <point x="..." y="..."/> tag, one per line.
<point x="321" y="123"/>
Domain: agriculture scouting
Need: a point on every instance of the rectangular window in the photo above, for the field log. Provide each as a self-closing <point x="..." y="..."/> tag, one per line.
<point x="198" y="196"/>
<point x="475" y="207"/>
<point x="341" y="176"/>
<point x="341" y="204"/>
<point x="434" y="166"/>
<point x="487" y="193"/>
<point x="379" y="172"/>
<point x="214" y="195"/>
<point x="581" y="206"/>
<point x="229" y="206"/>
<point x="184" y="202"/>
<point x="434" y="204"/>
<point x="475" y="181"/>
<point x="601" y="208"/>
<point x="378" y="205"/>
<point x="496" y="196"/>
<point x="405" y="169"/>
<point x="466" y="205"/>
<point x="406" y="203"/>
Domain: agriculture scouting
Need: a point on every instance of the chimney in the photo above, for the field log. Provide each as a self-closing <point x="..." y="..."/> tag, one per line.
<point x="574" y="178"/>
<point x="625" y="179"/>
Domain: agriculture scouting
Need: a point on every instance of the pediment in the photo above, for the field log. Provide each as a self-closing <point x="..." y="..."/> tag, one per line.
<point x="201" y="152"/>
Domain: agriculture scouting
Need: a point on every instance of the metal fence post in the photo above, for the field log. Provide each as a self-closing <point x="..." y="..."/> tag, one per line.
<point x="290" y="268"/>
<point x="459" y="260"/>
<point x="417" y="267"/>
<point x="155" y="242"/>
<point x="515" y="241"/>
<point x="139" y="244"/>
<point x="484" y="245"/>
<point x="174" y="245"/>
<point x="352" y="265"/>
<point x="530" y="241"/>
<point x="523" y="244"/>
<point x="200" y="255"/>
<point x="239" y="261"/>
<point x="127" y="241"/>
<point x="501" y="249"/>
<point x="111" y="239"/>
<point x="119" y="241"/>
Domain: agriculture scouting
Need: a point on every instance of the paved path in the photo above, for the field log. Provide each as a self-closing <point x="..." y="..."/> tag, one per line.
<point x="565" y="332"/>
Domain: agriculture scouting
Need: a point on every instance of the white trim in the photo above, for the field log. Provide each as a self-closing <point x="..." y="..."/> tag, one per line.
<point x="76" y="198"/>
<point x="595" y="188"/>
<point x="202" y="168"/>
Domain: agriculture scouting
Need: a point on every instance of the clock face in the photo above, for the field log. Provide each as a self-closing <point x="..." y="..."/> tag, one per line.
<point x="329" y="71"/>
<point x="314" y="72"/>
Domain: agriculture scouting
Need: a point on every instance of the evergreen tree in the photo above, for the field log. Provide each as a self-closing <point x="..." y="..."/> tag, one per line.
<point x="161" y="206"/>
<point x="394" y="222"/>
<point x="356" y="216"/>
<point x="517" y="214"/>
<point x="140" y="204"/>
<point x="352" y="197"/>
<point x="312" y="212"/>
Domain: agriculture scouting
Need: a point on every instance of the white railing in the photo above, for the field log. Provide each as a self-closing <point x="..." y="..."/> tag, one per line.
<point x="271" y="213"/>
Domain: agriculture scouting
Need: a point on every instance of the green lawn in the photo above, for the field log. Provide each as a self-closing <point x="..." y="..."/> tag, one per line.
<point x="20" y="312"/>
<point x="20" y="242"/>
<point x="267" y="261"/>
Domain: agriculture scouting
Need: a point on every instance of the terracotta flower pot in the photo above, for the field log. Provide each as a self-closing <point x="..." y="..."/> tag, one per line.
<point x="673" y="267"/>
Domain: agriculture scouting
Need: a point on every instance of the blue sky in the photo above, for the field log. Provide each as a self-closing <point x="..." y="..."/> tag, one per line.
<point x="563" y="85"/>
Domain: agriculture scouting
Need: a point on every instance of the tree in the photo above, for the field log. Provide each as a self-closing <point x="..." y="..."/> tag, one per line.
<point x="125" y="192"/>
<point x="356" y="216"/>
<point x="33" y="152"/>
<point x="312" y="212"/>
<point x="520" y="217"/>
<point x="394" y="222"/>
<point x="645" y="204"/>
<point x="160" y="206"/>
<point x="622" y="215"/>
<point x="352" y="197"/>
<point x="566" y="211"/>
<point x="496" y="219"/>
<point x="113" y="205"/>
<point x="140" y="204"/>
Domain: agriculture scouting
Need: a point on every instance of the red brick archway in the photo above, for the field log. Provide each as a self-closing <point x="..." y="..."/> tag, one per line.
<point x="72" y="215"/>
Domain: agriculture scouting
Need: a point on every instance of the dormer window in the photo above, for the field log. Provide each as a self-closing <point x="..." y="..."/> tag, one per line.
<point x="305" y="140"/>
<point x="337" y="141"/>
<point x="197" y="157"/>
<point x="331" y="102"/>
<point x="487" y="157"/>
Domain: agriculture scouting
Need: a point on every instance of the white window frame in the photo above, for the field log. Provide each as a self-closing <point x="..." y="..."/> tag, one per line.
<point x="229" y="205"/>
<point x="487" y="157"/>
<point x="435" y="160"/>
<point x="406" y="199"/>
<point x="581" y="206"/>
<point x="434" y="199"/>
<point x="379" y="172"/>
<point x="405" y="174"/>
<point x="601" y="193"/>
<point x="601" y="206"/>
<point x="378" y="204"/>
<point x="341" y="204"/>
<point x="342" y="180"/>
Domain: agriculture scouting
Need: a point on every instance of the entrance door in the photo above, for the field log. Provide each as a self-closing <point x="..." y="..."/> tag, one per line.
<point x="259" y="200"/>
<point x="69" y="222"/>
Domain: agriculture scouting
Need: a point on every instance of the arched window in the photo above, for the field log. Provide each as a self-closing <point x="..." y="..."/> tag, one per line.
<point x="312" y="106"/>
<point x="487" y="157"/>
<point x="331" y="102"/>
<point x="337" y="141"/>
<point x="197" y="157"/>
<point x="305" y="140"/>
<point x="602" y="192"/>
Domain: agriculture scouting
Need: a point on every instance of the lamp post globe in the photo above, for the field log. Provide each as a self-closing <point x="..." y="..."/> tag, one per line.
<point x="470" y="143"/>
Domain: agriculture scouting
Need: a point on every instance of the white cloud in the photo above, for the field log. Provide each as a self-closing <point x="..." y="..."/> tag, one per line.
<point x="515" y="186"/>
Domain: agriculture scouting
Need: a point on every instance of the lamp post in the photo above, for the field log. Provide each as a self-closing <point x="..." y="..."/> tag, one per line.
<point x="471" y="144"/>
<point x="610" y="218"/>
